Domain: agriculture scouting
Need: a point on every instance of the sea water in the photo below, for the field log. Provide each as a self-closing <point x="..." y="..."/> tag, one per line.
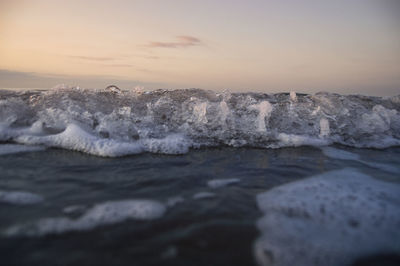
<point x="193" y="177"/>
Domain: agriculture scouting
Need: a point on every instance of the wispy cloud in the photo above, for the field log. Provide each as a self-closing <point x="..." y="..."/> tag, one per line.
<point x="182" y="41"/>
<point x="119" y="65"/>
<point x="92" y="58"/>
<point x="145" y="56"/>
<point x="149" y="56"/>
<point x="102" y="61"/>
<point x="143" y="70"/>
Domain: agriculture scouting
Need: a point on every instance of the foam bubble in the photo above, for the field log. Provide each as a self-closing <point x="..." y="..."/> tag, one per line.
<point x="329" y="219"/>
<point x="20" y="197"/>
<point x="217" y="183"/>
<point x="99" y="215"/>
<point x="16" y="148"/>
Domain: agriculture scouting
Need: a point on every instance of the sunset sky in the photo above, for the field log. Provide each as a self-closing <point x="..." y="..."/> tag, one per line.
<point x="344" y="46"/>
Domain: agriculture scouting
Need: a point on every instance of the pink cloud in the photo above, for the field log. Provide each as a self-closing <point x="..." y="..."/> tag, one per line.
<point x="92" y="58"/>
<point x="182" y="41"/>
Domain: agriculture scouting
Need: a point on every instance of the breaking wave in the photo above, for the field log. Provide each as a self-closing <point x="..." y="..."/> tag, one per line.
<point x="117" y="123"/>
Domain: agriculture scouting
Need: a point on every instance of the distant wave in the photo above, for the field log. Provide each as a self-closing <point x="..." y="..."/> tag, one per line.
<point x="117" y="123"/>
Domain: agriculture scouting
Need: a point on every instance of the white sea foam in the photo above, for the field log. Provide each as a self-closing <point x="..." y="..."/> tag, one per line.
<point x="99" y="215"/>
<point x="200" y="111"/>
<point x="329" y="219"/>
<point x="292" y="140"/>
<point x="293" y="96"/>
<point x="15" y="148"/>
<point x="264" y="109"/>
<point x="339" y="154"/>
<point x="203" y="195"/>
<point x="115" y="124"/>
<point x="324" y="128"/>
<point x="224" y="111"/>
<point x="172" y="144"/>
<point x="172" y="201"/>
<point x="345" y="155"/>
<point x="20" y="197"/>
<point x="75" y="138"/>
<point x="217" y="183"/>
<point x="74" y="209"/>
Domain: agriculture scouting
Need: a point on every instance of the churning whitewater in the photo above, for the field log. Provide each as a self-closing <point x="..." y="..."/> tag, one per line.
<point x="117" y="123"/>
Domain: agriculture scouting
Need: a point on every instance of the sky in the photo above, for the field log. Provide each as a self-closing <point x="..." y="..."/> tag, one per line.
<point x="342" y="46"/>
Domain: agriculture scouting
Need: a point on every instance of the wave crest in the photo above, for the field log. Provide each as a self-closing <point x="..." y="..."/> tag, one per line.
<point x="114" y="124"/>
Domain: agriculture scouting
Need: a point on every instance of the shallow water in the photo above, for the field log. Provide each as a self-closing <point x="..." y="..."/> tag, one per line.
<point x="79" y="213"/>
<point x="221" y="201"/>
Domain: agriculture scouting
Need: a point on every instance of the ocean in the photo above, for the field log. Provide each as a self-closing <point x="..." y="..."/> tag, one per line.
<point x="194" y="177"/>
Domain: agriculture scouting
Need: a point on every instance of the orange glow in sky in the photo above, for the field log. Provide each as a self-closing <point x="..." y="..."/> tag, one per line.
<point x="345" y="46"/>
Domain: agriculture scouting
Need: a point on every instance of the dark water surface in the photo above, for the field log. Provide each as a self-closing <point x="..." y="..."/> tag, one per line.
<point x="218" y="230"/>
